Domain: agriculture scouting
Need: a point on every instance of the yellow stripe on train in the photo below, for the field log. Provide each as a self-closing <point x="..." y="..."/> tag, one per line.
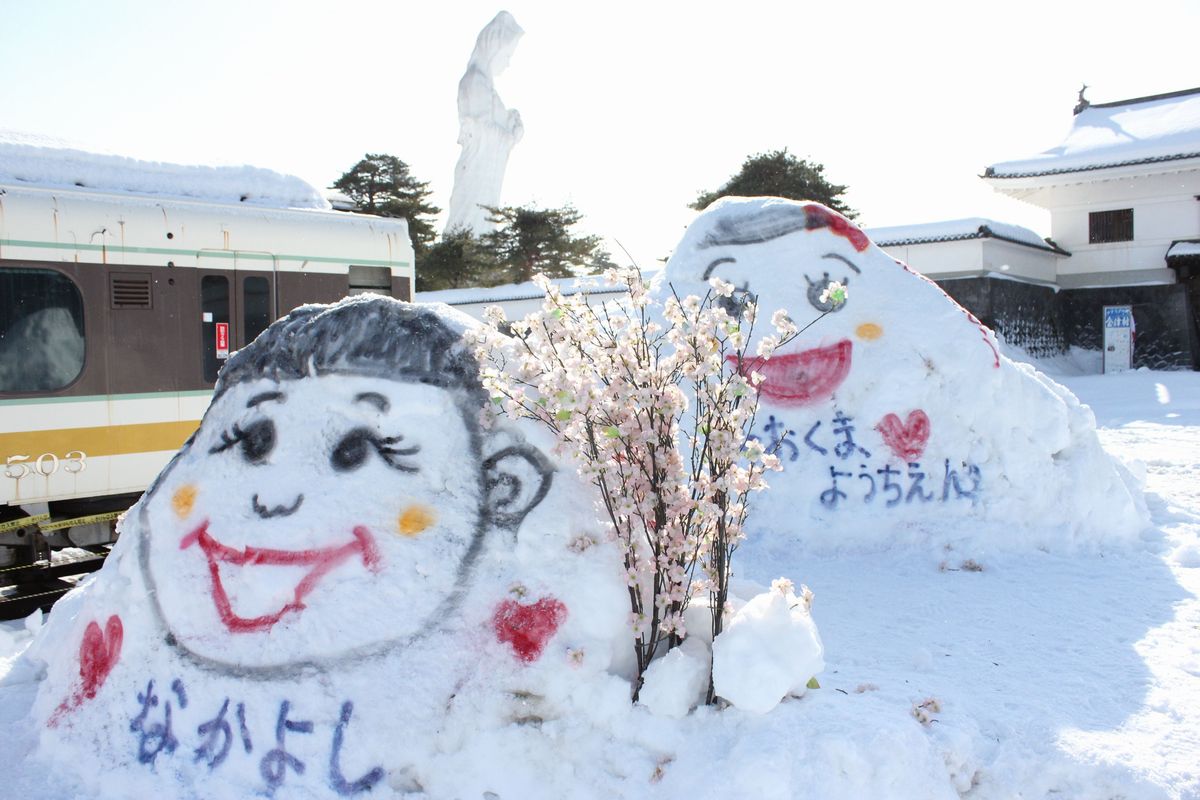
<point x="107" y="440"/>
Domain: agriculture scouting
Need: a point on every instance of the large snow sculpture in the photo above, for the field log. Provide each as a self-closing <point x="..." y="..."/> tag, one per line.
<point x="895" y="407"/>
<point x="238" y="515"/>
<point x="488" y="130"/>
<point x="326" y="568"/>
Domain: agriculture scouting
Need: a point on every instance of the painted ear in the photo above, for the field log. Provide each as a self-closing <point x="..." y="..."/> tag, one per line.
<point x="517" y="478"/>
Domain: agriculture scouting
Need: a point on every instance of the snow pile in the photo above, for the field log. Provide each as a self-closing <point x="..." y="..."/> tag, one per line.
<point x="895" y="412"/>
<point x="677" y="682"/>
<point x="770" y="650"/>
<point x="334" y="566"/>
<point x="31" y="161"/>
<point x="343" y="583"/>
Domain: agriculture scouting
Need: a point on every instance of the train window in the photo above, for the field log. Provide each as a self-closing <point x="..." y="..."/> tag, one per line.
<point x="256" y="308"/>
<point x="41" y="330"/>
<point x="214" y="303"/>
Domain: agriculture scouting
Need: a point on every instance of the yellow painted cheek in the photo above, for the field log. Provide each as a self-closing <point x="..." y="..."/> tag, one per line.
<point x="415" y="519"/>
<point x="183" y="500"/>
<point x="868" y="331"/>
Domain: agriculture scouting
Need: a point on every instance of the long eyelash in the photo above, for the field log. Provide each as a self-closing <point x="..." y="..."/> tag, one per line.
<point x="228" y="441"/>
<point x="390" y="454"/>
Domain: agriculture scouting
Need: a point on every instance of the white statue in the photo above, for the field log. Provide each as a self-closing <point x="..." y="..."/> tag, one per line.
<point x="488" y="130"/>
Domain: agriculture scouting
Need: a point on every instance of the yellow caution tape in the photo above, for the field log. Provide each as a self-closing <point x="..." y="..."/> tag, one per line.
<point x="13" y="525"/>
<point x="59" y="524"/>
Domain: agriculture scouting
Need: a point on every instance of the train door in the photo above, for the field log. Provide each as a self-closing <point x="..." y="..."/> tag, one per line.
<point x="255" y="304"/>
<point x="216" y="321"/>
<point x="235" y="307"/>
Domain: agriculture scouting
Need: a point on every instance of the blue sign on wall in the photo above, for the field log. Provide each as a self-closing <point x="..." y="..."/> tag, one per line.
<point x="1118" y="317"/>
<point x="1118" y="338"/>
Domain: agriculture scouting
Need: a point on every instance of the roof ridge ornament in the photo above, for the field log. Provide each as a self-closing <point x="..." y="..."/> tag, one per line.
<point x="1083" y="101"/>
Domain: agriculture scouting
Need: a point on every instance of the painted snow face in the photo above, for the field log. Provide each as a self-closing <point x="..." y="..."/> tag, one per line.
<point x="305" y="498"/>
<point x="316" y="519"/>
<point x="786" y="255"/>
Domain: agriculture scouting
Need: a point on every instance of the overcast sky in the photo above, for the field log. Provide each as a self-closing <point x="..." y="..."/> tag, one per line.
<point x="630" y="108"/>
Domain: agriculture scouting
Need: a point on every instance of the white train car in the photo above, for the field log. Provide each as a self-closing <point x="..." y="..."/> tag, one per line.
<point x="116" y="312"/>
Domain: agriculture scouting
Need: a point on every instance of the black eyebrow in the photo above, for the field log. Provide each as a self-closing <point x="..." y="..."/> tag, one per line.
<point x="709" y="269"/>
<point x="264" y="397"/>
<point x="844" y="260"/>
<point x="375" y="399"/>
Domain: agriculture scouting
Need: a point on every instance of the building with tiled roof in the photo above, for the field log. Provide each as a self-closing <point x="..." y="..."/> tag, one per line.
<point x="1123" y="192"/>
<point x="971" y="248"/>
<point x="1121" y="188"/>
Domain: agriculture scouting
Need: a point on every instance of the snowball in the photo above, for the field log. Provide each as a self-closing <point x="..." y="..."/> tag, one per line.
<point x="675" y="683"/>
<point x="770" y="649"/>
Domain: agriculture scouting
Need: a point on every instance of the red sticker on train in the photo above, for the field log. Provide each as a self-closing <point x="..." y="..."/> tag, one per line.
<point x="222" y="340"/>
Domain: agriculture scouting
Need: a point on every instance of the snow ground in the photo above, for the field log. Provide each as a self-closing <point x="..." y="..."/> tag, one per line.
<point x="1065" y="675"/>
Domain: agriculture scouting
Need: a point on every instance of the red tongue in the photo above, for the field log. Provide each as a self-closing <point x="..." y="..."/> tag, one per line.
<point x="801" y="379"/>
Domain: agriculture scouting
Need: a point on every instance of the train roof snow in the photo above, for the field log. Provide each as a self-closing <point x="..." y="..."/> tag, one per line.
<point x="33" y="161"/>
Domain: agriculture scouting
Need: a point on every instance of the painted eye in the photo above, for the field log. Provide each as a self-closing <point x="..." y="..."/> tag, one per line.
<point x="352" y="450"/>
<point x="735" y="304"/>
<point x="819" y="296"/>
<point x="256" y="440"/>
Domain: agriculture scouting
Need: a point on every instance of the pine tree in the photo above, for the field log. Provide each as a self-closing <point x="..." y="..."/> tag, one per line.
<point x="382" y="184"/>
<point x="780" y="174"/>
<point x="459" y="259"/>
<point x="530" y="240"/>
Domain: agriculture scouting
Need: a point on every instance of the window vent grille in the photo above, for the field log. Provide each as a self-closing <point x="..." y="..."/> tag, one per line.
<point x="128" y="290"/>
<point x="370" y="279"/>
<point x="1110" y="226"/>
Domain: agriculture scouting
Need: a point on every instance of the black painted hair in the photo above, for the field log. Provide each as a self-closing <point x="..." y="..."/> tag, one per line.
<point x="755" y="224"/>
<point x="368" y="335"/>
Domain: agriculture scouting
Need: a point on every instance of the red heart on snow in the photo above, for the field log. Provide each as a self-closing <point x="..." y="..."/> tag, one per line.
<point x="528" y="628"/>
<point x="98" y="654"/>
<point x="906" y="439"/>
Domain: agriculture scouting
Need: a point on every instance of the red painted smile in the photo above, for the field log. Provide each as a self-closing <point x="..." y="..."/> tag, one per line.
<point x="320" y="562"/>
<point x="801" y="379"/>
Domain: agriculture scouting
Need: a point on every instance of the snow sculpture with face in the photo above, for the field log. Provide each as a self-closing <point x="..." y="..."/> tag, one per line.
<point x="895" y="406"/>
<point x="340" y="466"/>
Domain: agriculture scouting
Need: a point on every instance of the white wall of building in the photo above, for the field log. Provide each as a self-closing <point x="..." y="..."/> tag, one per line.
<point x="1165" y="209"/>
<point x="977" y="257"/>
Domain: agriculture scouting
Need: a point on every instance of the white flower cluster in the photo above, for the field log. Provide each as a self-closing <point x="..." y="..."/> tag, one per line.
<point x="655" y="418"/>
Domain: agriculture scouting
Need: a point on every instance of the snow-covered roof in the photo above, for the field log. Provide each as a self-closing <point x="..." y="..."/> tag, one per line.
<point x="1144" y="130"/>
<point x="31" y="160"/>
<point x="1183" y="249"/>
<point x="956" y="230"/>
<point x="340" y="201"/>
